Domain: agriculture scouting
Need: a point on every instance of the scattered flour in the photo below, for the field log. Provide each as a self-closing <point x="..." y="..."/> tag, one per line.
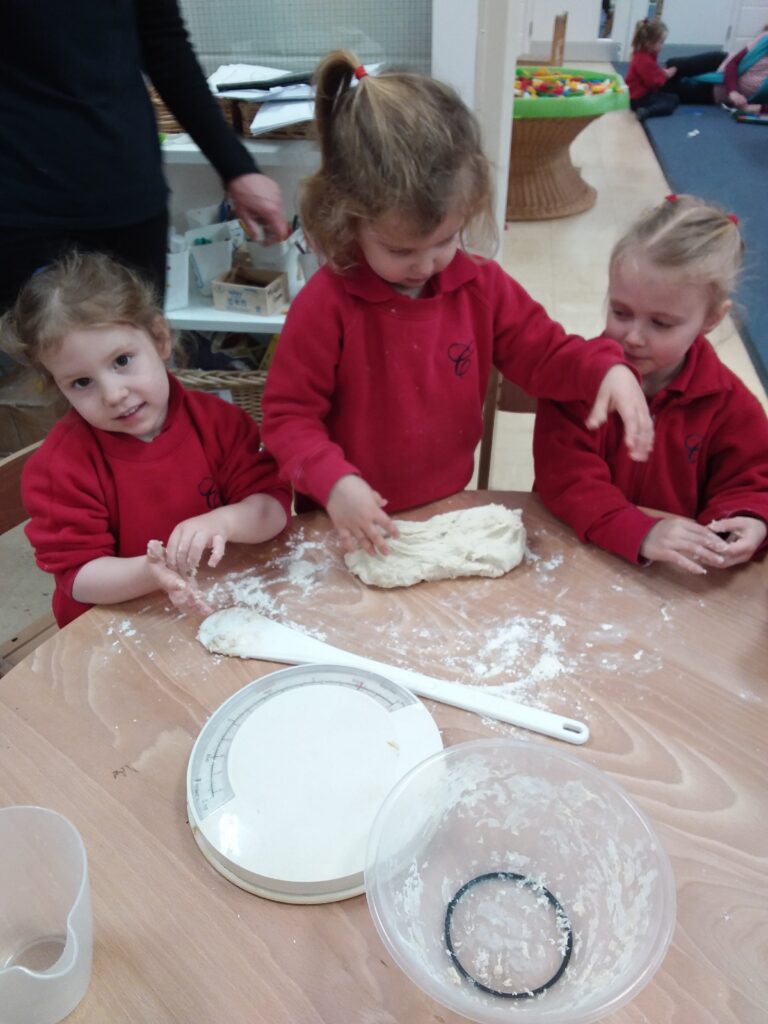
<point x="521" y="650"/>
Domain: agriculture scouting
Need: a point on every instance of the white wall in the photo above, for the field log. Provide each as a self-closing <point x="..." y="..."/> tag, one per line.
<point x="474" y="46"/>
<point x="702" y="24"/>
<point x="294" y="34"/>
<point x="693" y="24"/>
<point x="583" y="18"/>
<point x="750" y="21"/>
<point x="581" y="37"/>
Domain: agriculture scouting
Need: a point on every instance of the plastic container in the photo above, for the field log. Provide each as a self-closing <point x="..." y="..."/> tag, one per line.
<point x="45" y="916"/>
<point x="537" y="870"/>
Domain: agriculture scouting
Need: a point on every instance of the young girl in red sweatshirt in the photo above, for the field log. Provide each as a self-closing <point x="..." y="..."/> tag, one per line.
<point x="137" y="458"/>
<point x="645" y="78"/>
<point x="701" y="500"/>
<point x="375" y="393"/>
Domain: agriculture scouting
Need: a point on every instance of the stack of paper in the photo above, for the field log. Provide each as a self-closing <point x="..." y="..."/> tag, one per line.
<point x="280" y="106"/>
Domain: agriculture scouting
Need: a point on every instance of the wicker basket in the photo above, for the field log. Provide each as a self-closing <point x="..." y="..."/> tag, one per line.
<point x="246" y="111"/>
<point x="543" y="183"/>
<point x="245" y="386"/>
<point x="167" y="123"/>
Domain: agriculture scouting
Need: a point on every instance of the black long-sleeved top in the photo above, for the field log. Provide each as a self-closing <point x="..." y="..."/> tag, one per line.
<point x="78" y="138"/>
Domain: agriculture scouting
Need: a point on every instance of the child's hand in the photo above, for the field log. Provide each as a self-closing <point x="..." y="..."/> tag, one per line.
<point x="746" y="534"/>
<point x="684" y="543"/>
<point x="183" y="592"/>
<point x="670" y="72"/>
<point x="192" y="537"/>
<point x="356" y="512"/>
<point x="619" y="392"/>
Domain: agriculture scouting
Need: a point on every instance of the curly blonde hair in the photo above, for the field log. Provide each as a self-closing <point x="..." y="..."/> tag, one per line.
<point x="79" y="290"/>
<point x="395" y="143"/>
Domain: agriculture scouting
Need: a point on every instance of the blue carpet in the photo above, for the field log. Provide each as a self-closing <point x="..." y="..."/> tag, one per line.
<point x="704" y="152"/>
<point x="727" y="163"/>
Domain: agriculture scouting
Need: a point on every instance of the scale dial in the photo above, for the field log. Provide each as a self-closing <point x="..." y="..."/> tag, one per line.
<point x="286" y="777"/>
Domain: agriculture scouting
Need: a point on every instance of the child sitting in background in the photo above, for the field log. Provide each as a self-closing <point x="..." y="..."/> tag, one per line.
<point x="137" y="457"/>
<point x="375" y="393"/>
<point x="645" y="78"/>
<point x="670" y="278"/>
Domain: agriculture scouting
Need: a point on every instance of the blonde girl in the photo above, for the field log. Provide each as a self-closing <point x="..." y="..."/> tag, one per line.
<point x="701" y="500"/>
<point x="375" y="394"/>
<point x="646" y="80"/>
<point x="137" y="458"/>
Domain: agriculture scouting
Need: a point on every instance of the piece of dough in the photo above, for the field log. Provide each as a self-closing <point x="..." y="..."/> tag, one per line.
<point x="484" y="541"/>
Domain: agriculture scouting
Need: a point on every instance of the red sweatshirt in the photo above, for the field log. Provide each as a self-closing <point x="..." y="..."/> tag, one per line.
<point x="644" y="75"/>
<point x="368" y="381"/>
<point x="91" y="493"/>
<point x="709" y="459"/>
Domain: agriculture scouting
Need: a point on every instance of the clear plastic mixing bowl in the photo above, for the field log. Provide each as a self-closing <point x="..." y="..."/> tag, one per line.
<point x="513" y="881"/>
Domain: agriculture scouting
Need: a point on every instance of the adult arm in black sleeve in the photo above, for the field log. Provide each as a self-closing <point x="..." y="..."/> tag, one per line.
<point x="173" y="68"/>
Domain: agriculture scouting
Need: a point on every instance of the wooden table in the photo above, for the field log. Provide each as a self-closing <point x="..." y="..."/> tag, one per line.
<point x="669" y="672"/>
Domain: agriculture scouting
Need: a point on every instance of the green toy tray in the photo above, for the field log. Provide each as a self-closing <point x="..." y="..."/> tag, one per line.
<point x="571" y="106"/>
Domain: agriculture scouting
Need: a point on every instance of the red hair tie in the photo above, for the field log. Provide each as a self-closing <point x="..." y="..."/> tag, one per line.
<point x="733" y="218"/>
<point x="671" y="198"/>
<point x="360" y="72"/>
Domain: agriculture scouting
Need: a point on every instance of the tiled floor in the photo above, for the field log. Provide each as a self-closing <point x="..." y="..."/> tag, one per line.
<point x="563" y="263"/>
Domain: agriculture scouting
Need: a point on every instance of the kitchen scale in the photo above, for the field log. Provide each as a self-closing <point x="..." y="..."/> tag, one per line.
<point x="287" y="775"/>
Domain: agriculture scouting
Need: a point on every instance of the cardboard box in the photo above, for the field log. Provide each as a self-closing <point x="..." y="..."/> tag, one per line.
<point x="246" y="290"/>
<point x="280" y="256"/>
<point x="27" y="410"/>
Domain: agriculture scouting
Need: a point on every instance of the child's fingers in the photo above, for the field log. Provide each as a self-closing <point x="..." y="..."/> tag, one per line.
<point x="383" y="520"/>
<point x="705" y="556"/>
<point x="639" y="439"/>
<point x="723" y="525"/>
<point x="682" y="562"/>
<point x="155" y="551"/>
<point x="367" y="541"/>
<point x="598" y="414"/>
<point x="218" y="547"/>
<point x="377" y="538"/>
<point x="347" y="540"/>
<point x="188" y="600"/>
<point x="702" y="545"/>
<point x="197" y="545"/>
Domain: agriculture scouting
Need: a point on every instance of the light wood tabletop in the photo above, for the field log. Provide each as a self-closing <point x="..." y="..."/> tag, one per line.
<point x="667" y="670"/>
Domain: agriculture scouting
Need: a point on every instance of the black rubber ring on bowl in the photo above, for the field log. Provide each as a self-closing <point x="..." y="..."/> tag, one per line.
<point x="560" y="914"/>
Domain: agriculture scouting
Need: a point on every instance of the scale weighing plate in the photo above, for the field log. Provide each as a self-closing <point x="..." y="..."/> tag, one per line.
<point x="287" y="775"/>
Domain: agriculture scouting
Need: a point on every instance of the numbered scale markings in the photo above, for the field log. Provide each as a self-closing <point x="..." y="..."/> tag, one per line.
<point x="286" y="777"/>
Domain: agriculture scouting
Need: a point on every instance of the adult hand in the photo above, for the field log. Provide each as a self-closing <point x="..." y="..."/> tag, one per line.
<point x="356" y="513"/>
<point x="182" y="591"/>
<point x="685" y="544"/>
<point x="619" y="392"/>
<point x="258" y="202"/>
<point x="745" y="535"/>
